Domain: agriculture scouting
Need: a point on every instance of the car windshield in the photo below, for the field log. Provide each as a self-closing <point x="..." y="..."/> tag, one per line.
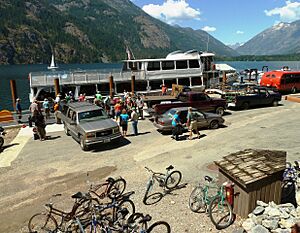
<point x="93" y="115"/>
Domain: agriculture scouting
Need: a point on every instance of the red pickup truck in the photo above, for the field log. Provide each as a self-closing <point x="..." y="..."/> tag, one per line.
<point x="197" y="100"/>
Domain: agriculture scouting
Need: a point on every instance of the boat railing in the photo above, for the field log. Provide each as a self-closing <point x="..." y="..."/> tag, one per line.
<point x="80" y="77"/>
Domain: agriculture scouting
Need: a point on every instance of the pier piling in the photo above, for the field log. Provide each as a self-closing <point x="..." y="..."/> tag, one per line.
<point x="56" y="86"/>
<point x="132" y="83"/>
<point x="111" y="85"/>
<point x="13" y="88"/>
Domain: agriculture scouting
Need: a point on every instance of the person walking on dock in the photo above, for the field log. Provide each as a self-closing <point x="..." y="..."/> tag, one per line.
<point x="192" y="123"/>
<point x="19" y="109"/>
<point x="134" y="120"/>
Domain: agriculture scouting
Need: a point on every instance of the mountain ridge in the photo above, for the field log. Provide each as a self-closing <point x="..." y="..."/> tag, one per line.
<point x="88" y="31"/>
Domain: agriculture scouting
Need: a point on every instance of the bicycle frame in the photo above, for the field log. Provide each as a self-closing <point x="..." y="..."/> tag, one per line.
<point x="94" y="189"/>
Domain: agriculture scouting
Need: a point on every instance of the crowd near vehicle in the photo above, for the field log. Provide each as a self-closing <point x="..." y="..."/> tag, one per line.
<point x="88" y="124"/>
<point x="282" y="80"/>
<point x="258" y="96"/>
<point x="198" y="100"/>
<point x="204" y="119"/>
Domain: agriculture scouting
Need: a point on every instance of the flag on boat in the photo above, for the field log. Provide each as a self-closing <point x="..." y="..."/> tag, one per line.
<point x="129" y="53"/>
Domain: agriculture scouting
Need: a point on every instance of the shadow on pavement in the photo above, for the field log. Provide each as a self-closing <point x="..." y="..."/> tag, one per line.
<point x="8" y="146"/>
<point x="132" y="135"/>
<point x="49" y="138"/>
<point x="112" y="145"/>
<point x="156" y="197"/>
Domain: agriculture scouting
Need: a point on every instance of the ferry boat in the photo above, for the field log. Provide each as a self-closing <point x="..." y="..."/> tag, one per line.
<point x="191" y="68"/>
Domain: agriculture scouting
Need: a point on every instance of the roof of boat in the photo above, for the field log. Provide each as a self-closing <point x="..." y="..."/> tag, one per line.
<point x="178" y="55"/>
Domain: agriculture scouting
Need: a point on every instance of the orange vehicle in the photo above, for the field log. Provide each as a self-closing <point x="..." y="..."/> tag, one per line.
<point x="285" y="81"/>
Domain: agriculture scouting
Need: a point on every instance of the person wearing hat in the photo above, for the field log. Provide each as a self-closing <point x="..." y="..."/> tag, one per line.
<point x="134" y="119"/>
<point x="192" y="123"/>
<point x="19" y="109"/>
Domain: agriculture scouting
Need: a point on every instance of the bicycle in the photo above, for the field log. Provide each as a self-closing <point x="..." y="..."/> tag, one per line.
<point x="168" y="180"/>
<point x="112" y="188"/>
<point x="46" y="222"/>
<point x="216" y="205"/>
<point x="138" y="223"/>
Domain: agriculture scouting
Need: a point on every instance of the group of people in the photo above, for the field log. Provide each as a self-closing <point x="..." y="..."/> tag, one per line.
<point x="191" y="123"/>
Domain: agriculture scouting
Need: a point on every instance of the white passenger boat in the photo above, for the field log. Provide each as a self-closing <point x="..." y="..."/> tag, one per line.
<point x="191" y="68"/>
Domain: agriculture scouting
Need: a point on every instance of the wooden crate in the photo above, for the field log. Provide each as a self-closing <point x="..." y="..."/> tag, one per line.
<point x="257" y="175"/>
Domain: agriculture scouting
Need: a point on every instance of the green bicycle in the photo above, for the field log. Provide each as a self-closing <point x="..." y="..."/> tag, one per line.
<point x="216" y="205"/>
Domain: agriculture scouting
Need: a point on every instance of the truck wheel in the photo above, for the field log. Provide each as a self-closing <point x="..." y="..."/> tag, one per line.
<point x="214" y="124"/>
<point x="245" y="105"/>
<point x="220" y="111"/>
<point x="67" y="132"/>
<point x="83" y="146"/>
<point x="275" y="103"/>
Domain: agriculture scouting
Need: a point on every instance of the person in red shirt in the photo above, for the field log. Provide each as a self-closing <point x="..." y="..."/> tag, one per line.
<point x="164" y="89"/>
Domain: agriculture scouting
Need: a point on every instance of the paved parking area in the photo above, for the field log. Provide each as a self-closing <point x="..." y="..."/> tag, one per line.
<point x="58" y="165"/>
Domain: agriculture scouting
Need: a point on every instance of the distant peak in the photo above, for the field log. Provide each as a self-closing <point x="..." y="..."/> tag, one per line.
<point x="280" y="26"/>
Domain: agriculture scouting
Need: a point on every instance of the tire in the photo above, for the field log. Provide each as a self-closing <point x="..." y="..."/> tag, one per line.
<point x="220" y="111"/>
<point x="159" y="227"/>
<point x="67" y="132"/>
<point x="74" y="227"/>
<point x="1" y="142"/>
<point x="129" y="205"/>
<point x="173" y="179"/>
<point x="148" y="188"/>
<point x="245" y="105"/>
<point x="196" y="201"/>
<point x="275" y="103"/>
<point x="83" y="146"/>
<point x="220" y="214"/>
<point x="214" y="124"/>
<point x="42" y="222"/>
<point x="134" y="222"/>
<point x="118" y="185"/>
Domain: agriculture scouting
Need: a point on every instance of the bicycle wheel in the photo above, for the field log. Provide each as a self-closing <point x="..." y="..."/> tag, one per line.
<point x="173" y="179"/>
<point x="42" y="222"/>
<point x="159" y="227"/>
<point x="220" y="213"/>
<point x="116" y="188"/>
<point x="196" y="201"/>
<point x="135" y="223"/>
<point x="129" y="205"/>
<point x="74" y="227"/>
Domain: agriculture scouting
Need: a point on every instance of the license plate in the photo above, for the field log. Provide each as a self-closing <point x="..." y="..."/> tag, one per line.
<point x="106" y="140"/>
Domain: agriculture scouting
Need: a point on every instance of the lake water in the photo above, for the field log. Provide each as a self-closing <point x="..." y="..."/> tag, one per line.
<point x="20" y="74"/>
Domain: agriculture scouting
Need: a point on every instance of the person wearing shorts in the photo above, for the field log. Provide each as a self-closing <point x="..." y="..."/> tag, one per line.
<point x="192" y="123"/>
<point x="124" y="122"/>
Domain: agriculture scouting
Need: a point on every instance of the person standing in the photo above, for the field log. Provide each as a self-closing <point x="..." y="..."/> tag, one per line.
<point x="140" y="105"/>
<point x="46" y="107"/>
<point x="176" y="124"/>
<point x="99" y="96"/>
<point x="19" y="109"/>
<point x="134" y="119"/>
<point x="118" y="108"/>
<point x="124" y="122"/>
<point x="41" y="125"/>
<point x="164" y="89"/>
<point x="192" y="123"/>
<point x="81" y="98"/>
<point x="56" y="112"/>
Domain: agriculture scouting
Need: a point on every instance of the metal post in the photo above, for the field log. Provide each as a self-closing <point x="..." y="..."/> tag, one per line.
<point x="190" y="78"/>
<point x="56" y="86"/>
<point x="132" y="83"/>
<point x="111" y="85"/>
<point x="13" y="89"/>
<point x="224" y="81"/>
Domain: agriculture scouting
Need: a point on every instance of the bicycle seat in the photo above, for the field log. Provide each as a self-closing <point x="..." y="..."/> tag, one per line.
<point x="110" y="180"/>
<point x="147" y="218"/>
<point x="208" y="178"/>
<point x="169" y="168"/>
<point x="77" y="195"/>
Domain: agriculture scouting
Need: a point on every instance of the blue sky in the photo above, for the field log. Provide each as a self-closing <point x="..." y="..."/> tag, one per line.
<point x="230" y="21"/>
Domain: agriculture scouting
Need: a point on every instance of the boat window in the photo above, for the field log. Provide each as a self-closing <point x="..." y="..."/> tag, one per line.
<point x="153" y="65"/>
<point x="168" y="65"/>
<point x="140" y="65"/>
<point x="132" y="65"/>
<point x="194" y="63"/>
<point x="125" y="66"/>
<point x="181" y="65"/>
